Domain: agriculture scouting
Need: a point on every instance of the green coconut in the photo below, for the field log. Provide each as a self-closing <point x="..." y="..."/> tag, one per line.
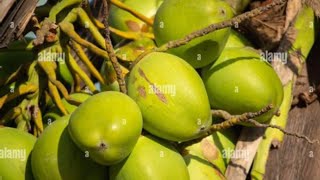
<point x="107" y="126"/>
<point x="171" y="96"/>
<point x="151" y="158"/>
<point x="15" y="149"/>
<point x="177" y="18"/>
<point x="56" y="157"/>
<point x="242" y="81"/>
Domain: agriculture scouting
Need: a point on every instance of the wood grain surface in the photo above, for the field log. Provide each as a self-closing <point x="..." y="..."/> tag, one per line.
<point x="296" y="159"/>
<point x="14" y="21"/>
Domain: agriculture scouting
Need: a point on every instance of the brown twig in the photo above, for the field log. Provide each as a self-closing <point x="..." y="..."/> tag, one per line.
<point x="110" y="50"/>
<point x="221" y="114"/>
<point x="237" y="119"/>
<point x="257" y="124"/>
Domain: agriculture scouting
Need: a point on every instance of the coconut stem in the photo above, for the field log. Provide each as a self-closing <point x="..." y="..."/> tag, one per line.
<point x="233" y="120"/>
<point x="77" y="70"/>
<point x="110" y="49"/>
<point x="49" y="68"/>
<point x="68" y="29"/>
<point x="85" y="59"/>
<point x="257" y="124"/>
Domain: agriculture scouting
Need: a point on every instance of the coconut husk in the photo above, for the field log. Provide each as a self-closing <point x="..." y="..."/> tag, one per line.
<point x="267" y="30"/>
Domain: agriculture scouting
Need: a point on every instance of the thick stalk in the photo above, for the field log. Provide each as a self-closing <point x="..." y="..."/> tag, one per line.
<point x="76" y="68"/>
<point x="84" y="58"/>
<point x="86" y="22"/>
<point x="110" y="50"/>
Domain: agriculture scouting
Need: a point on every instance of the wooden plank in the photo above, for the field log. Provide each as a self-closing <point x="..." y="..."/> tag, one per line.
<point x="7" y="25"/>
<point x="5" y="6"/>
<point x="16" y="20"/>
<point x="27" y="10"/>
